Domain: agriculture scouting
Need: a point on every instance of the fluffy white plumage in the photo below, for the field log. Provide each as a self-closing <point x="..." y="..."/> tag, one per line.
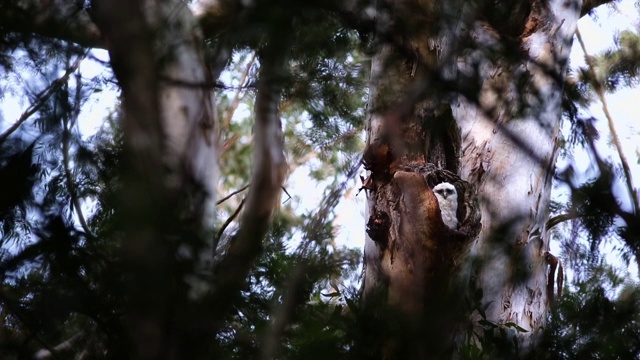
<point x="448" y="200"/>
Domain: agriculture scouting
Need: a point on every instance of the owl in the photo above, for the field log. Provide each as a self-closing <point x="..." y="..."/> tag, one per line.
<point x="448" y="200"/>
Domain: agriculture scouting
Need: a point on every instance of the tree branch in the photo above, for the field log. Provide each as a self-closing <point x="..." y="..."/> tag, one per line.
<point x="269" y="172"/>
<point x="232" y="194"/>
<point x="28" y="323"/>
<point x="589" y="5"/>
<point x="71" y="22"/>
<point x="30" y="252"/>
<point x="560" y="219"/>
<point x="282" y="313"/>
<point x="224" y="226"/>
<point x="292" y="298"/>
<point x="145" y="199"/>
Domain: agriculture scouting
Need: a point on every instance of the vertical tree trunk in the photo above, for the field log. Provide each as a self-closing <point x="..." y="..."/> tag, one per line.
<point x="168" y="191"/>
<point x="510" y="146"/>
<point x="475" y="94"/>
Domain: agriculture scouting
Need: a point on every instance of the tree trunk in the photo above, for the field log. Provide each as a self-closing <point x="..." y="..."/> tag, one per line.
<point x="169" y="186"/>
<point x="473" y="99"/>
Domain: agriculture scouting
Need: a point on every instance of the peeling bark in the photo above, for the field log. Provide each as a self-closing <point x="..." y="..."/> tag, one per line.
<point x="509" y="139"/>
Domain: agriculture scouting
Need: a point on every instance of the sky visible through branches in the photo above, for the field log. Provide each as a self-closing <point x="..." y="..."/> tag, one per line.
<point x="597" y="32"/>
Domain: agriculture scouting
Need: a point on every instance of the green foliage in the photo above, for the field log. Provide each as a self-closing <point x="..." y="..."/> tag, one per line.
<point x="318" y="326"/>
<point x="598" y="318"/>
<point x="619" y="66"/>
<point x="486" y="339"/>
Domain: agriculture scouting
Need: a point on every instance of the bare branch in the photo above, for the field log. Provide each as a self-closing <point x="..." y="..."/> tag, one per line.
<point x="286" y="192"/>
<point x="224" y="226"/>
<point x="232" y="194"/>
<point x="205" y="85"/>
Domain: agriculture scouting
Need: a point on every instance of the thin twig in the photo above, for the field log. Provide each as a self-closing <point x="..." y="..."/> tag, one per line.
<point x="286" y="192"/>
<point x="599" y="88"/>
<point x="207" y="85"/>
<point x="233" y="193"/>
<point x="224" y="226"/>
<point x="41" y="98"/>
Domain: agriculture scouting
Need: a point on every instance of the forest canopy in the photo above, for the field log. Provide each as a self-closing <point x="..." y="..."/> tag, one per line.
<point x="180" y="180"/>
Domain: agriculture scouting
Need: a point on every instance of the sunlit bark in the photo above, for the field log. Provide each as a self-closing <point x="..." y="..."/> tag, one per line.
<point x="509" y="140"/>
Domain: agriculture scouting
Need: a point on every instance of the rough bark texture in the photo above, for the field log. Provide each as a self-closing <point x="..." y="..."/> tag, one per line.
<point x="480" y="98"/>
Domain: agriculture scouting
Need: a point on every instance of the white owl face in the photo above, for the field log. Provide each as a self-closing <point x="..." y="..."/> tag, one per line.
<point x="447" y="197"/>
<point x="446" y="191"/>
